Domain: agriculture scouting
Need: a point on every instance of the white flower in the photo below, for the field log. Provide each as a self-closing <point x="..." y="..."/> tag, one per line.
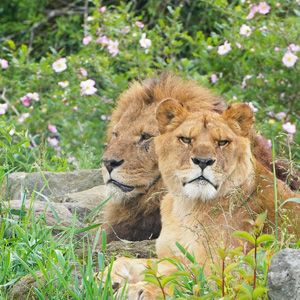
<point x="3" y="63"/>
<point x="23" y="117"/>
<point x="289" y="59"/>
<point x="63" y="84"/>
<point x="289" y="127"/>
<point x="87" y="87"/>
<point x="263" y="8"/>
<point x="245" y="30"/>
<point x="113" y="47"/>
<point x="33" y="96"/>
<point x="3" y="108"/>
<point x="59" y="65"/>
<point x="263" y="28"/>
<point x="294" y="48"/>
<point x="90" y="18"/>
<point x="250" y="104"/>
<point x="244" y="81"/>
<point x="209" y="47"/>
<point x="145" y="43"/>
<point x="53" y="142"/>
<point x="223" y="49"/>
<point x="214" y="78"/>
<point x="12" y="131"/>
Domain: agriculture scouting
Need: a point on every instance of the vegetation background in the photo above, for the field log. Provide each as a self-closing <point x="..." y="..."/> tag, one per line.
<point x="243" y="50"/>
<point x="62" y="65"/>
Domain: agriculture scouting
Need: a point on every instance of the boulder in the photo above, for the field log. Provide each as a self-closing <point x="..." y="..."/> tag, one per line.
<point x="23" y="289"/>
<point x="49" y="184"/>
<point x="284" y="275"/>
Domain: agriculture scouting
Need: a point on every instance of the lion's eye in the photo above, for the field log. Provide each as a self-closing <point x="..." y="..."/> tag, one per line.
<point x="145" y="136"/>
<point x="185" y="140"/>
<point x="223" y="143"/>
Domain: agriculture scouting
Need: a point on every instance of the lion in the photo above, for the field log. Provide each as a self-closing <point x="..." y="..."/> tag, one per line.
<point x="129" y="164"/>
<point x="215" y="184"/>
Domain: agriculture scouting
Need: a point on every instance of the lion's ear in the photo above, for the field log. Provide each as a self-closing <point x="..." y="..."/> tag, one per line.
<point x="240" y="118"/>
<point x="170" y="114"/>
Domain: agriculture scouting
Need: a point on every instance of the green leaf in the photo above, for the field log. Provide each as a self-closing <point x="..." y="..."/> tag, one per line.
<point x="245" y="235"/>
<point x="265" y="238"/>
<point x="246" y="290"/>
<point x="250" y="260"/>
<point x="230" y="267"/>
<point x="167" y="279"/>
<point x="11" y="44"/>
<point x="258" y="291"/>
<point x="221" y="253"/>
<point x="297" y="200"/>
<point x="151" y="279"/>
<point x="84" y="229"/>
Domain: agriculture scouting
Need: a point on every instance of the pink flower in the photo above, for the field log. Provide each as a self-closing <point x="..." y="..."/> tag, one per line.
<point x="223" y="49"/>
<point x="139" y="24"/>
<point x="3" y="108"/>
<point x="87" y="87"/>
<point x="214" y="78"/>
<point x="263" y="8"/>
<point x="281" y="115"/>
<point x="245" y="30"/>
<point x="103" y="117"/>
<point x="3" y="63"/>
<point x="63" y="84"/>
<point x="278" y="4"/>
<point x="250" y="104"/>
<point x="252" y="12"/>
<point x="113" y="47"/>
<point x="67" y="104"/>
<point x="52" y="128"/>
<point x="86" y="40"/>
<point x="54" y="96"/>
<point x="33" y="96"/>
<point x="289" y="128"/>
<point x="244" y="81"/>
<point x="145" y="43"/>
<point x="260" y="75"/>
<point x="64" y="99"/>
<point x="75" y="108"/>
<point x="102" y="40"/>
<point x="59" y="65"/>
<point x="94" y="109"/>
<point x="289" y="59"/>
<point x="23" y="117"/>
<point x="25" y="100"/>
<point x="263" y="28"/>
<point x="125" y="29"/>
<point x="53" y="142"/>
<point x="239" y="45"/>
<point x="269" y="143"/>
<point x="102" y="9"/>
<point x="276" y="49"/>
<point x="294" y="48"/>
<point x="234" y="97"/>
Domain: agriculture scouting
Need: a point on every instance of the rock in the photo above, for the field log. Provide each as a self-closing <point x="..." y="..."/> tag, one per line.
<point x="23" y="289"/>
<point x="140" y="249"/>
<point x="58" y="183"/>
<point x="84" y="202"/>
<point x="284" y="275"/>
<point x="65" y="216"/>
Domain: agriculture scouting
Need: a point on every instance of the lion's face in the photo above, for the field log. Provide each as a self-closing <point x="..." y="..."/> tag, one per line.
<point x="203" y="155"/>
<point x="129" y="164"/>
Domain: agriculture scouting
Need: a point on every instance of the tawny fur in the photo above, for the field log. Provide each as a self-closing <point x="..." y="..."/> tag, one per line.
<point x="246" y="190"/>
<point x="132" y="214"/>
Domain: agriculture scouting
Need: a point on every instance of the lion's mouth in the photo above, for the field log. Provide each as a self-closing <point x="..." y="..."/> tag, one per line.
<point x="200" y="178"/>
<point x="123" y="187"/>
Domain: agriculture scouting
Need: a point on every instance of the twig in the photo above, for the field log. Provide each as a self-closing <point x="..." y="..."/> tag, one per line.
<point x="86" y="8"/>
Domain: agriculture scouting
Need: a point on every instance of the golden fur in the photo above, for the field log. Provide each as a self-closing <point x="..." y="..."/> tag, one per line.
<point x="215" y="184"/>
<point x="130" y="157"/>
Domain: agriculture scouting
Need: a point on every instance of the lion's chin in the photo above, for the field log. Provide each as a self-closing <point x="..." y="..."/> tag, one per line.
<point x="202" y="191"/>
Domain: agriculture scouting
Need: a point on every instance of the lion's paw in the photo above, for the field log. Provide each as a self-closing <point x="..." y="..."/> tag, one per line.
<point x="140" y="291"/>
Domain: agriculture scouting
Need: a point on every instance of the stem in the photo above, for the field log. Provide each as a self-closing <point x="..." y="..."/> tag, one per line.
<point x="255" y="259"/>
<point x="223" y="279"/>
<point x="275" y="191"/>
<point x="162" y="289"/>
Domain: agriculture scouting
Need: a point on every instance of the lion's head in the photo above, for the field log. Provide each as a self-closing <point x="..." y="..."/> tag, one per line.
<point x="129" y="163"/>
<point x="202" y="155"/>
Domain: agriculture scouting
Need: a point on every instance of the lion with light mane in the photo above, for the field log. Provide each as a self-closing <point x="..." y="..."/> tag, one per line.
<point x="214" y="185"/>
<point x="129" y="164"/>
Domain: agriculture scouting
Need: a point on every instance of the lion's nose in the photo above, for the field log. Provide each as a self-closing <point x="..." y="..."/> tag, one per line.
<point x="203" y="162"/>
<point x="111" y="164"/>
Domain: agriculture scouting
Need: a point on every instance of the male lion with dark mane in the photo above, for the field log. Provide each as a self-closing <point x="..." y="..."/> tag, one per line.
<point x="214" y="183"/>
<point x="129" y="164"/>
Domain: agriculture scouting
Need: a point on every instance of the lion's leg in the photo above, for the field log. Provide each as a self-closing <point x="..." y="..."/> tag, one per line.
<point x="128" y="271"/>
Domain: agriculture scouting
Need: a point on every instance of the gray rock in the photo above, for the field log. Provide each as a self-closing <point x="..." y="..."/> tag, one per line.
<point x="63" y="213"/>
<point x="58" y="183"/>
<point x="89" y="198"/>
<point x="284" y="275"/>
<point x="23" y="289"/>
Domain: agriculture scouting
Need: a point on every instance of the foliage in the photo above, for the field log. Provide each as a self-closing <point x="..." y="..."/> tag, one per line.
<point x="240" y="273"/>
<point x="28" y="245"/>
<point x="115" y="47"/>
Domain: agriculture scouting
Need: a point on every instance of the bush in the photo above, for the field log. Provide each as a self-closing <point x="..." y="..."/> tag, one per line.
<point x="73" y="101"/>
